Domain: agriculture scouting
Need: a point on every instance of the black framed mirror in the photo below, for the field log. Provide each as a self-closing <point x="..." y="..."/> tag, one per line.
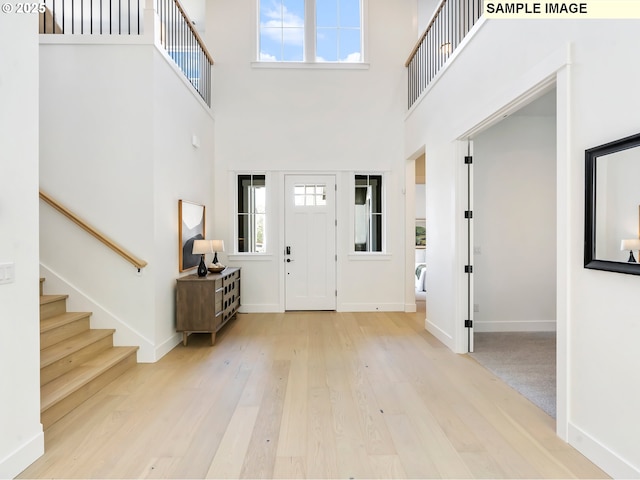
<point x="612" y="206"/>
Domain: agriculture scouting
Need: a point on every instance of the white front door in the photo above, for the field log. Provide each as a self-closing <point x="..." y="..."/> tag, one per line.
<point x="310" y="242"/>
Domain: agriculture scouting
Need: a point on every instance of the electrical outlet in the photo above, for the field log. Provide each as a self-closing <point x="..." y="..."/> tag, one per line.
<point x="476" y="307"/>
<point x="7" y="273"/>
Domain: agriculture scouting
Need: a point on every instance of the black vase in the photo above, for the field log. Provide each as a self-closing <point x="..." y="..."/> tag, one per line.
<point x="202" y="268"/>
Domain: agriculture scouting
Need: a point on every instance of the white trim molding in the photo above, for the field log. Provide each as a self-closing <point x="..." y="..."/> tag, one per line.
<point x="599" y="454"/>
<point x="29" y="452"/>
<point x="370" y="307"/>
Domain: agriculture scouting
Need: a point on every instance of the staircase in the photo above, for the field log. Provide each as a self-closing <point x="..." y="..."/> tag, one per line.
<point x="75" y="360"/>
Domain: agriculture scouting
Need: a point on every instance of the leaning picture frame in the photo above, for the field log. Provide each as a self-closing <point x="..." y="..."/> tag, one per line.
<point x="191" y="220"/>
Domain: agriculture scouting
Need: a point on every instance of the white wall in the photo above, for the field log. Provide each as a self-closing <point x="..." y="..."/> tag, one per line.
<point x="181" y="171"/>
<point x="120" y="156"/>
<point x="425" y="11"/>
<point x="313" y="120"/>
<point x="514" y="217"/>
<point x="21" y="436"/>
<point x="597" y="311"/>
<point x="96" y="159"/>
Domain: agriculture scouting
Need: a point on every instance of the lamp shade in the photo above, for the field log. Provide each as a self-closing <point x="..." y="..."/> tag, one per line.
<point x="630" y="244"/>
<point x="200" y="247"/>
<point x="217" y="245"/>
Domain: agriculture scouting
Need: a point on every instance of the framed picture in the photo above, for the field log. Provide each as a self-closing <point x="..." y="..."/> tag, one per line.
<point x="190" y="228"/>
<point x="421" y="233"/>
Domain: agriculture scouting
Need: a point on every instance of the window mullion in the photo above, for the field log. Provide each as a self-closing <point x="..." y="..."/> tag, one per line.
<point x="310" y="30"/>
<point x="338" y="25"/>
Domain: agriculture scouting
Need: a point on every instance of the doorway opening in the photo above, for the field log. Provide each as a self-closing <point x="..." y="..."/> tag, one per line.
<point x="420" y="234"/>
<point x="514" y="250"/>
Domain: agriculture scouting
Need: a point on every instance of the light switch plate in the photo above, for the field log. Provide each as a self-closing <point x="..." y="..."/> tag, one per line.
<point x="7" y="273"/>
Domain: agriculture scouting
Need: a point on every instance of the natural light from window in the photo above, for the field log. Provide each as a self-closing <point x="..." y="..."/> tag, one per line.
<point x="251" y="211"/>
<point x="336" y="35"/>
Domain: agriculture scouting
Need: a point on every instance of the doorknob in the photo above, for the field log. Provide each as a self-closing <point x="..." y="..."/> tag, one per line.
<point x="289" y="260"/>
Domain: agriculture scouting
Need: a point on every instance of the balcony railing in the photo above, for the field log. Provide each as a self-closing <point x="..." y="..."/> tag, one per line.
<point x="92" y="17"/>
<point x="177" y="34"/>
<point x="449" y="25"/>
<point x="183" y="43"/>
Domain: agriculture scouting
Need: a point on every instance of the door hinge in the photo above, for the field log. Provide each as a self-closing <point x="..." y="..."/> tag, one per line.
<point x="468" y="324"/>
<point x="336" y="257"/>
<point x="336" y="222"/>
<point x="336" y="293"/>
<point x="468" y="269"/>
<point x="335" y="187"/>
<point x="468" y="160"/>
<point x="468" y="214"/>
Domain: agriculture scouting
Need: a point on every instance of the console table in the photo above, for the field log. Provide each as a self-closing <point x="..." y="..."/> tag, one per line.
<point x="205" y="304"/>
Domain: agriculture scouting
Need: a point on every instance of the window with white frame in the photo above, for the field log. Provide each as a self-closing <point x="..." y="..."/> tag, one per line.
<point x="310" y="31"/>
<point x="368" y="213"/>
<point x="310" y="195"/>
<point x="251" y="214"/>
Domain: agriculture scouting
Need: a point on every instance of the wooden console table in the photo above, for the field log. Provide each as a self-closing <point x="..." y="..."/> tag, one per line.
<point x="205" y="304"/>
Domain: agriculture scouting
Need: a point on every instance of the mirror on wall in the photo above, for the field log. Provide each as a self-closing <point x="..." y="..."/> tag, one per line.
<point x="612" y="206"/>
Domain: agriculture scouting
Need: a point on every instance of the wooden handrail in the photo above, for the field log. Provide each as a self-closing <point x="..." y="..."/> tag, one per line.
<point x="194" y="31"/>
<point x="135" y="261"/>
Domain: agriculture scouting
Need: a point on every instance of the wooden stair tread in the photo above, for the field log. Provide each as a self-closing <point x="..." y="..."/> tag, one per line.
<point x="62" y="349"/>
<point x="60" y="320"/>
<point x="45" y="299"/>
<point x="65" y="385"/>
<point x="76" y="361"/>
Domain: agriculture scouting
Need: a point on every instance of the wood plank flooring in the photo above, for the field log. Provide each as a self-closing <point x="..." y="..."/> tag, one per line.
<point x="310" y="395"/>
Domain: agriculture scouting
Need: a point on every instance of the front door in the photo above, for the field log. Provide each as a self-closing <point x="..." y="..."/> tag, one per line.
<point x="310" y="242"/>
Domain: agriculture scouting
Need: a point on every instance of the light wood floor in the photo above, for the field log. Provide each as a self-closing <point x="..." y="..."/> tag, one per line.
<point x="316" y="395"/>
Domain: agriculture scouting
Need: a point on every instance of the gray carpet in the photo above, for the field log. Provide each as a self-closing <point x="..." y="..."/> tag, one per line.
<point x="525" y="361"/>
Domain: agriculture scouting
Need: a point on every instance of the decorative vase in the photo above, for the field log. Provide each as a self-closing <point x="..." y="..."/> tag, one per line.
<point x="202" y="268"/>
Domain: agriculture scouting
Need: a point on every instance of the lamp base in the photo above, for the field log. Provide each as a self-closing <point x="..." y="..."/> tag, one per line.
<point x="202" y="268"/>
<point x="632" y="259"/>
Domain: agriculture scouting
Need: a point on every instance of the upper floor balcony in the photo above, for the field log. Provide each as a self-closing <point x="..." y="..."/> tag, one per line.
<point x="165" y="22"/>
<point x="445" y="33"/>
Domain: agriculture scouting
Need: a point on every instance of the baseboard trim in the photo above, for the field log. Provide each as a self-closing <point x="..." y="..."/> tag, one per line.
<point x="371" y="307"/>
<point x="168" y="345"/>
<point x="343" y="307"/>
<point x="25" y="455"/>
<point x="440" y="334"/>
<point x="515" y="326"/>
<point x="261" y="308"/>
<point x="599" y="454"/>
<point x="410" y="308"/>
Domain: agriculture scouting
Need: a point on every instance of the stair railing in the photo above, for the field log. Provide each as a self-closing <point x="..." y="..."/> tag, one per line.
<point x="129" y="257"/>
<point x="449" y="25"/>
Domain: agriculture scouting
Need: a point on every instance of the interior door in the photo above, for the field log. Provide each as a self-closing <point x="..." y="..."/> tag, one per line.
<point x="310" y="242"/>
